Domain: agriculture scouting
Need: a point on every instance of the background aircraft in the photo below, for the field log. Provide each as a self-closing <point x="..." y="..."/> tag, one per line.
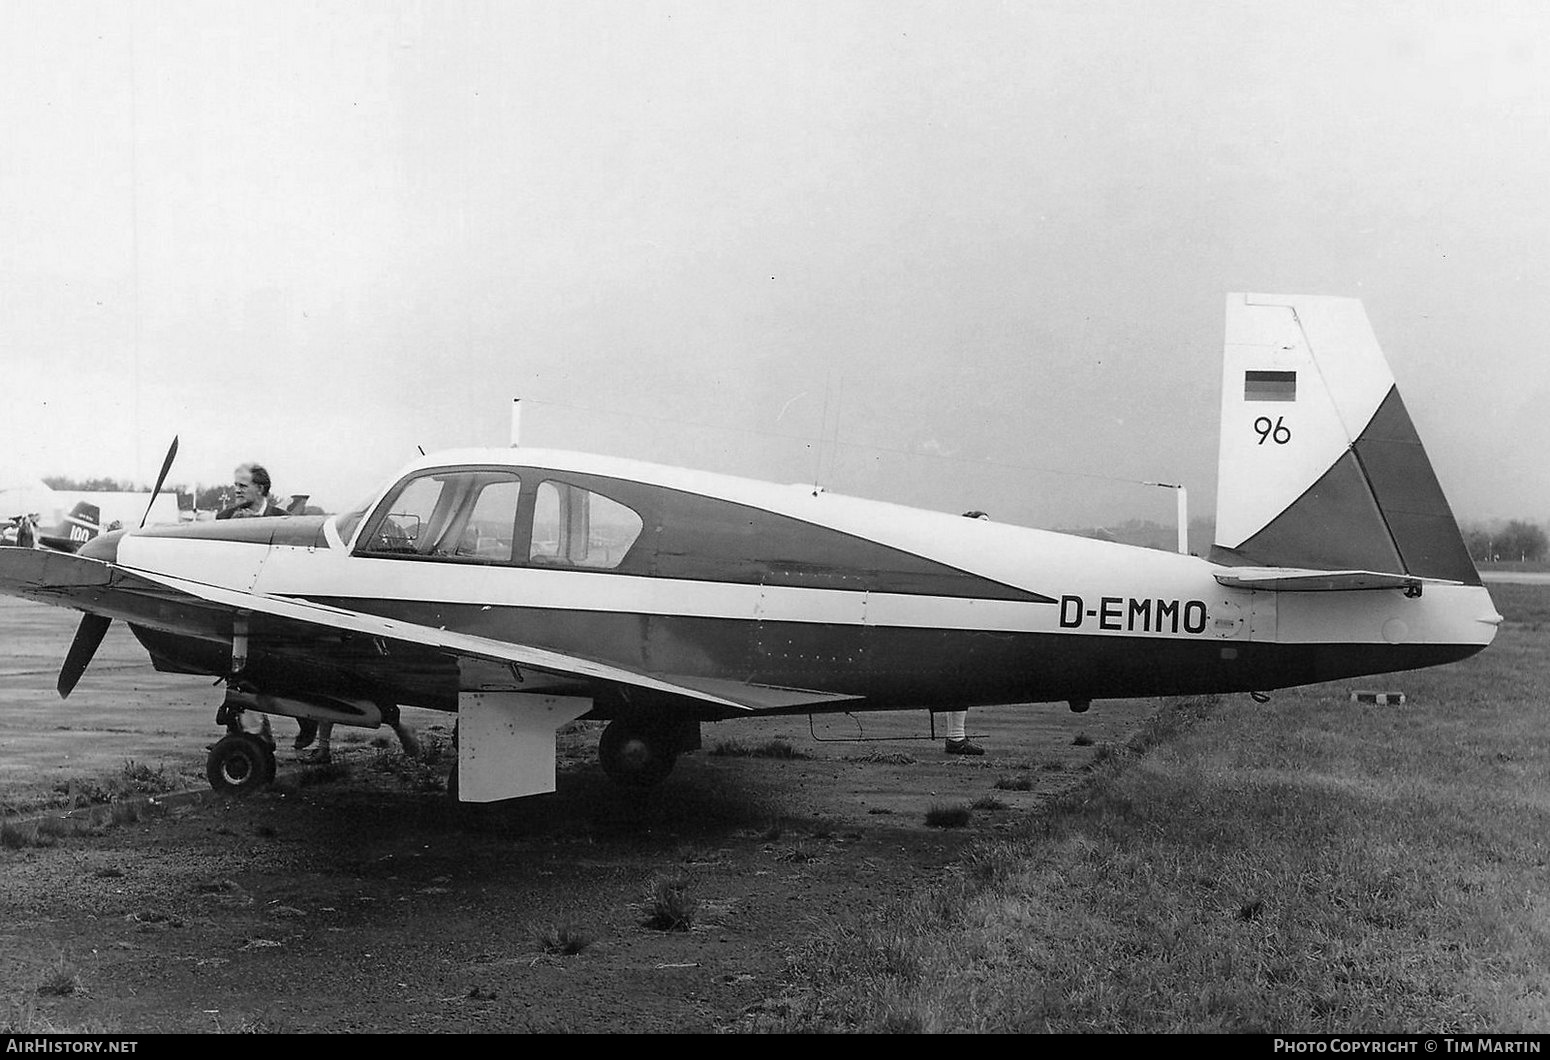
<point x="21" y="496"/>
<point x="522" y="588"/>
<point x="66" y="519"/>
<point x="80" y="524"/>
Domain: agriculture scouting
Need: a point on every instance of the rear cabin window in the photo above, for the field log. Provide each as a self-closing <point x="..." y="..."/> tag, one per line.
<point x="467" y="516"/>
<point x="575" y="527"/>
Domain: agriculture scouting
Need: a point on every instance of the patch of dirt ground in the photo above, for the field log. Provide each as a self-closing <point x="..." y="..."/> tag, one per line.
<point x="362" y="899"/>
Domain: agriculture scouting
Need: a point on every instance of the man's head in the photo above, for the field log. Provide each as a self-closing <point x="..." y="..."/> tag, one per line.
<point x="252" y="483"/>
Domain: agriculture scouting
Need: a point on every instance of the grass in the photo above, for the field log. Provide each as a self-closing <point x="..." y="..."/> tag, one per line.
<point x="57" y="827"/>
<point x="322" y="773"/>
<point x="776" y="748"/>
<point x="48" y="830"/>
<point x="1309" y="866"/>
<point x="887" y="758"/>
<point x="59" y="980"/>
<point x="134" y="780"/>
<point x="668" y="905"/>
<point x="418" y="772"/>
<point x="141" y="779"/>
<point x="563" y="940"/>
<point x="21" y="1016"/>
<point x="798" y="854"/>
<point x="19" y="836"/>
<point x="949" y="815"/>
<point x="133" y="783"/>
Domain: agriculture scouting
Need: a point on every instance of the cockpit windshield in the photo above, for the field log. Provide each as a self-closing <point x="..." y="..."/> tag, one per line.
<point x="347" y="520"/>
<point x="463" y="514"/>
<point x="482" y="515"/>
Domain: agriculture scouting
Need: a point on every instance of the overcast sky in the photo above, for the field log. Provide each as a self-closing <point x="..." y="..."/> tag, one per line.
<point x="958" y="254"/>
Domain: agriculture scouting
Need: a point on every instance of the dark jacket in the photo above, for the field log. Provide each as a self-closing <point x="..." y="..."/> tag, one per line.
<point x="270" y="508"/>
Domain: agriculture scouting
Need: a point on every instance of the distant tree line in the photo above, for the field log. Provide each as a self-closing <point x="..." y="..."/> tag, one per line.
<point x="92" y="485"/>
<point x="201" y="497"/>
<point x="1148" y="533"/>
<point x="1514" y="541"/>
<point x="195" y="498"/>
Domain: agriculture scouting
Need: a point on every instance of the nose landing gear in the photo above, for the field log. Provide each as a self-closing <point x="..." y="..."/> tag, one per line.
<point x="239" y="764"/>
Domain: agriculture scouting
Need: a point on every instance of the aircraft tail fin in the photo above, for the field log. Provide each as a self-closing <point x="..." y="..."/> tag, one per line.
<point x="1320" y="466"/>
<point x="80" y="525"/>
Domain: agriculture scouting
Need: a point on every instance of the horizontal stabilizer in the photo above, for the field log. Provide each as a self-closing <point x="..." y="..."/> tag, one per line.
<point x="1299" y="580"/>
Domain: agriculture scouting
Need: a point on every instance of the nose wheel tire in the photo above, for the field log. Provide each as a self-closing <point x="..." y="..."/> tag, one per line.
<point x="240" y="763"/>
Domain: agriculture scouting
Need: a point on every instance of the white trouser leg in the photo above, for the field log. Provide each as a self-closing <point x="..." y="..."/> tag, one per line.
<point x="955" y="724"/>
<point x="406" y="739"/>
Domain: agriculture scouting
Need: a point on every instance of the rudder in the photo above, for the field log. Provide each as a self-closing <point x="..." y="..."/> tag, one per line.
<point x="80" y="525"/>
<point x="1319" y="464"/>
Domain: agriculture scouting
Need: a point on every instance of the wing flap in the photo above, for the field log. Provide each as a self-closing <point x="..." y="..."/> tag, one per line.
<point x="762" y="697"/>
<point x="1301" y="580"/>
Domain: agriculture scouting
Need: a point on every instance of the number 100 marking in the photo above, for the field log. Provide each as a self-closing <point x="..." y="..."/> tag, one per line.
<point x="1277" y="432"/>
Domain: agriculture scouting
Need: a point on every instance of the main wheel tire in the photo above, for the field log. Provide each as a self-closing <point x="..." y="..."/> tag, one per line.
<point x="635" y="756"/>
<point x="240" y="763"/>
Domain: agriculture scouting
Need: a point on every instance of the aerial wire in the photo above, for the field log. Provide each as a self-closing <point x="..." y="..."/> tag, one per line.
<point x="823" y="425"/>
<point x="806" y="439"/>
<point x="134" y="239"/>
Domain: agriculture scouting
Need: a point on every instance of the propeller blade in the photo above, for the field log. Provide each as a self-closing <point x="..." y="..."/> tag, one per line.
<point x="166" y="466"/>
<point x="87" y="637"/>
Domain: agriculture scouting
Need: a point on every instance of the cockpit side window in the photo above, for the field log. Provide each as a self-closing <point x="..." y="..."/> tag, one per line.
<point x="464" y="515"/>
<point x="575" y="527"/>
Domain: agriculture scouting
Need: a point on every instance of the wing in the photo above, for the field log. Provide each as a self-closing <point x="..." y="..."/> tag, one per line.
<point x="197" y="609"/>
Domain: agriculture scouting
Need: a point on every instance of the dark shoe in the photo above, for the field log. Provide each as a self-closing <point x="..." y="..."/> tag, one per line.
<point x="964" y="747"/>
<point x="319" y="757"/>
<point x="308" y="733"/>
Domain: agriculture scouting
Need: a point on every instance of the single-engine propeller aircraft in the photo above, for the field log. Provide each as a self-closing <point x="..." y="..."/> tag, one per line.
<point x="521" y="588"/>
<point x="79" y="525"/>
